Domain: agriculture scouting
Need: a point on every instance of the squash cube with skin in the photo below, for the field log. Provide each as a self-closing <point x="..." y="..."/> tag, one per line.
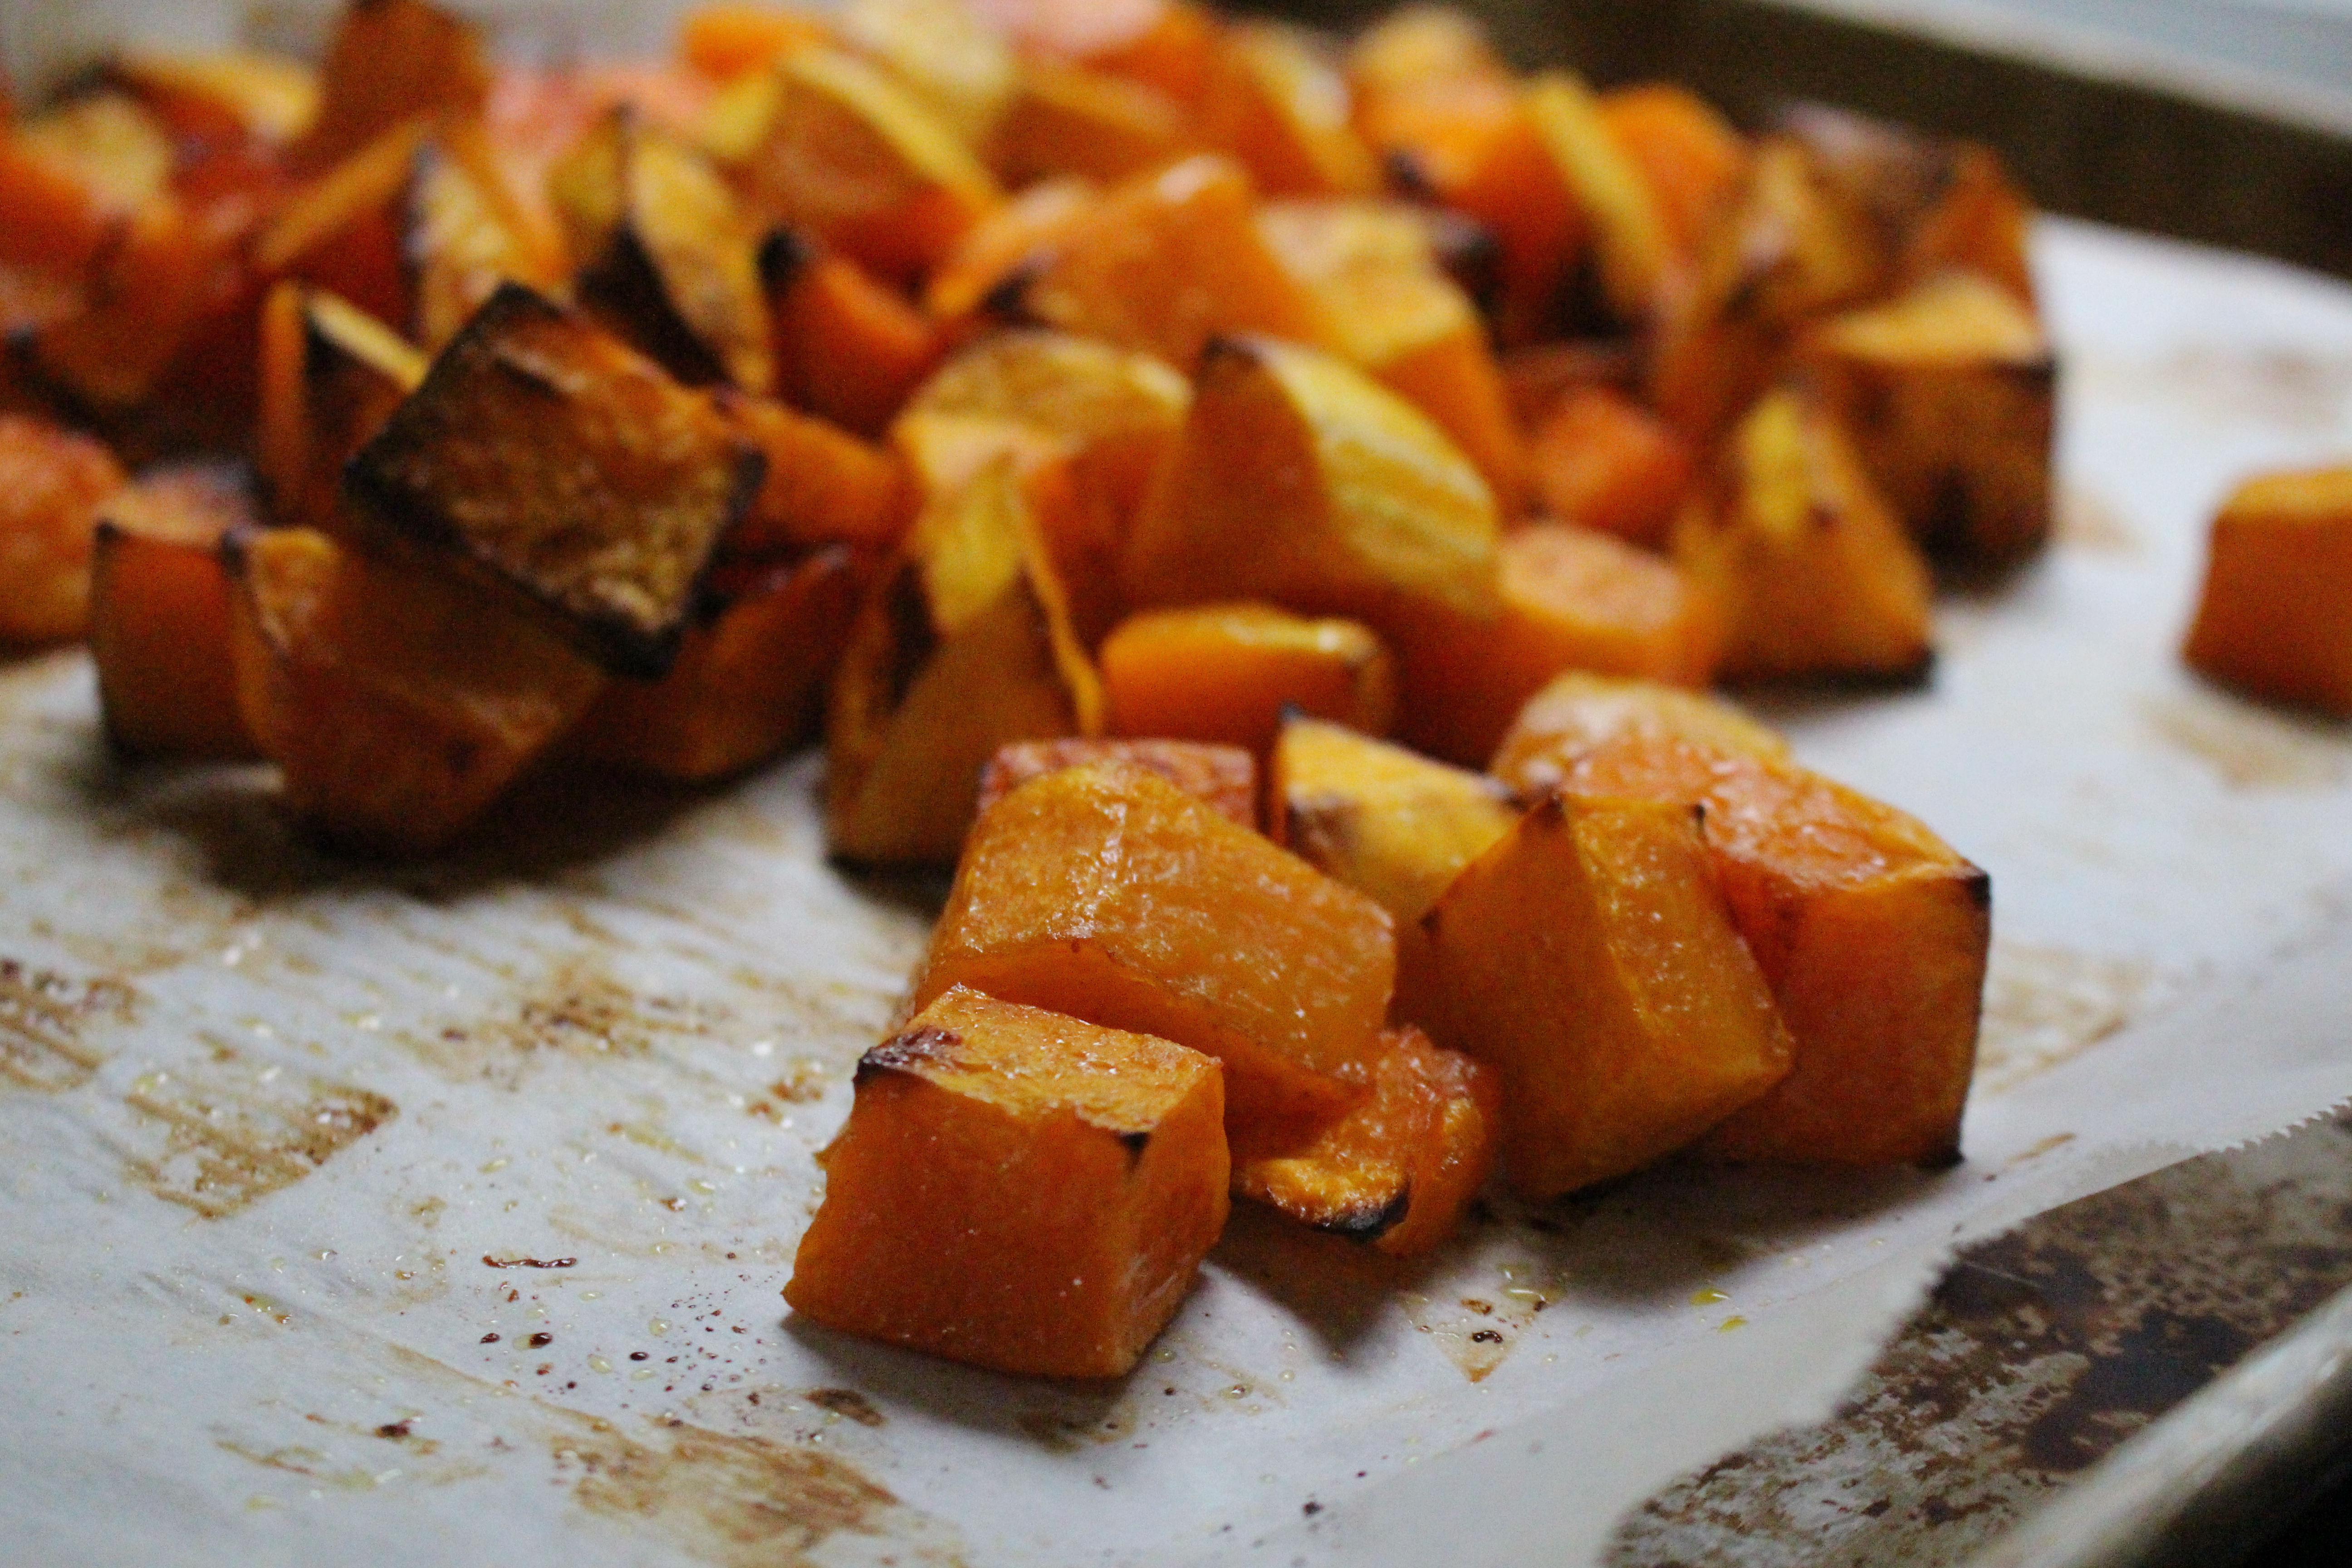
<point x="1223" y="777"/>
<point x="159" y="615"/>
<point x="1871" y="931"/>
<point x="1590" y="958"/>
<point x="1018" y="1190"/>
<point x="398" y="704"/>
<point x="2275" y="615"/>
<point x="544" y="454"/>
<point x="1399" y="1167"/>
<point x="52" y="483"/>
<point x="1579" y="711"/>
<point x="1814" y="573"/>
<point x="1107" y="893"/>
<point x="1228" y="672"/>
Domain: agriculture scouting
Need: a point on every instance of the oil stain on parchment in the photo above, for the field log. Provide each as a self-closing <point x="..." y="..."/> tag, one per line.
<point x="577" y="1008"/>
<point x="231" y="1136"/>
<point x="2045" y="1003"/>
<point x="2253" y="748"/>
<point x="43" y="1019"/>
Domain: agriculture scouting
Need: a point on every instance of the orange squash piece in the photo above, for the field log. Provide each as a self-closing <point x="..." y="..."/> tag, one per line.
<point x="1170" y="52"/>
<point x="331" y="375"/>
<point x="1600" y="460"/>
<point x="1980" y="225"/>
<point x="344" y="230"/>
<point x="1578" y="712"/>
<point x="1590" y="957"/>
<point x="72" y="175"/>
<point x="221" y="98"/>
<point x="1572" y="598"/>
<point x="1065" y="120"/>
<point x="1633" y="247"/>
<point x="1228" y="672"/>
<point x="1017" y="1190"/>
<point x="2275" y="615"/>
<point x="1513" y="186"/>
<point x="159" y="615"/>
<point x="847" y="348"/>
<point x="990" y="257"/>
<point x="1400" y="1167"/>
<point x="957" y="59"/>
<point x="1871" y="931"/>
<point x="1223" y="777"/>
<point x="398" y="705"/>
<point x="726" y="40"/>
<point x="1107" y="893"/>
<point x="391" y="60"/>
<point x="52" y="484"/>
<point x="822" y="485"/>
<point x="1279" y="106"/>
<point x="1686" y="153"/>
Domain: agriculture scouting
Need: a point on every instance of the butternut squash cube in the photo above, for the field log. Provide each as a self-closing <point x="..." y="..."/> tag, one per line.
<point x="52" y="483"/>
<point x="1065" y="120"/>
<point x="1398" y="1169"/>
<point x="1633" y="247"/>
<point x="1600" y="460"/>
<point x="822" y="485"/>
<point x="159" y="615"/>
<point x="1277" y="103"/>
<point x="545" y="453"/>
<point x="331" y="376"/>
<point x="345" y="230"/>
<point x="1107" y="893"/>
<point x="848" y="348"/>
<point x="1871" y="931"/>
<point x="1590" y="957"/>
<point x="397" y="704"/>
<point x="391" y="60"/>
<point x="1017" y="1190"/>
<point x="1227" y="673"/>
<point x="1815" y="574"/>
<point x="1224" y="777"/>
<point x="955" y="57"/>
<point x="1579" y="711"/>
<point x="2276" y="617"/>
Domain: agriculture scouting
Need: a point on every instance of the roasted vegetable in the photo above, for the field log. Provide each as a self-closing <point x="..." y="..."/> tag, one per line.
<point x="1223" y="777"/>
<point x="1600" y="460"/>
<point x="1579" y="711"/>
<point x="847" y="348"/>
<point x="52" y="483"/>
<point x="159" y="614"/>
<point x="1277" y="104"/>
<point x="1227" y="672"/>
<point x="331" y="375"/>
<point x="390" y="61"/>
<point x="2276" y="617"/>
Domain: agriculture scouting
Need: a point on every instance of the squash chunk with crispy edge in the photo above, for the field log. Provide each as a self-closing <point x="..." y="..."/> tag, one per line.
<point x="1949" y="391"/>
<point x="1590" y="958"/>
<point x="1871" y="931"/>
<point x="397" y="703"/>
<point x="1166" y="261"/>
<point x="670" y="260"/>
<point x="52" y="483"/>
<point x="1301" y="481"/>
<point x="1579" y="711"/>
<point x="1398" y="1168"/>
<point x="549" y="454"/>
<point x="1815" y="574"/>
<point x="1227" y="672"/>
<point x="2276" y="617"/>
<point x="159" y="614"/>
<point x="1572" y="598"/>
<point x="1018" y="1190"/>
<point x="1107" y="893"/>
<point x="1388" y="822"/>
<point x="749" y="679"/>
<point x="964" y="646"/>
<point x="331" y="375"/>
<point x="1224" y="777"/>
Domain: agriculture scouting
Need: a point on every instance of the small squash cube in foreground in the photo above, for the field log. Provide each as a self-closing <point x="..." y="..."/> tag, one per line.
<point x="1590" y="957"/>
<point x="1224" y="777"/>
<point x="1018" y="1190"/>
<point x="1227" y="673"/>
<point x="2276" y="615"/>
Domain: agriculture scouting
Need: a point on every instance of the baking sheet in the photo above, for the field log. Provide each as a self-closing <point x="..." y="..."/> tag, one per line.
<point x="284" y="1140"/>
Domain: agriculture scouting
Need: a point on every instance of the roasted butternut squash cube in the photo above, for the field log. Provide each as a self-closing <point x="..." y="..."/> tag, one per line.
<point x="2276" y="617"/>
<point x="1067" y="120"/>
<point x="225" y="95"/>
<point x="1578" y="711"/>
<point x="990" y="264"/>
<point x="1017" y="1190"/>
<point x="1388" y="822"/>
<point x="1167" y="260"/>
<point x="70" y="178"/>
<point x="1949" y="391"/>
<point x="1228" y="672"/>
<point x="1275" y="102"/>
<point x="822" y="485"/>
<point x="1224" y="777"/>
<point x="469" y="231"/>
<point x="1685" y="152"/>
<point x="1978" y="224"/>
<point x="1512" y="185"/>
<point x="398" y="704"/>
<point x="345" y="228"/>
<point x="1815" y="574"/>
<point x="1300" y="481"/>
<point x="1399" y="1167"/>
<point x="1107" y="893"/>
<point x="847" y="348"/>
<point x="955" y="57"/>
<point x="1633" y="248"/>
<point x="331" y="375"/>
<point x="749" y="682"/>
<point x="1600" y="460"/>
<point x="159" y="614"/>
<point x="1572" y="599"/>
<point x="1871" y="931"/>
<point x="52" y="483"/>
<point x="391" y="60"/>
<point x="1590" y="958"/>
<point x="547" y="455"/>
<point x="669" y="260"/>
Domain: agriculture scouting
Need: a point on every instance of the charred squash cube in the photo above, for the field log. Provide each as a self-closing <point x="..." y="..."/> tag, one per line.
<point x="1018" y="1190"/>
<point x="546" y="454"/>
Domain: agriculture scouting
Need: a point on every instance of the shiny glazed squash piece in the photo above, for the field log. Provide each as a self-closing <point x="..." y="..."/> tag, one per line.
<point x="1017" y="1190"/>
<point x="1227" y="673"/>
<point x="2276" y="617"/>
<point x="549" y="455"/>
<point x="1590" y="958"/>
<point x="397" y="704"/>
<point x="1107" y="893"/>
<point x="159" y="615"/>
<point x="52" y="483"/>
<point x="1398" y="1169"/>
<point x="1223" y="777"/>
<point x="1579" y="711"/>
<point x="1873" y="935"/>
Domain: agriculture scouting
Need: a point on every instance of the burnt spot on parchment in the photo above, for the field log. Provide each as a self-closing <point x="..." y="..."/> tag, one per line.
<point x="2040" y="1353"/>
<point x="44" y="1018"/>
<point x="231" y="1136"/>
<point x="578" y="1009"/>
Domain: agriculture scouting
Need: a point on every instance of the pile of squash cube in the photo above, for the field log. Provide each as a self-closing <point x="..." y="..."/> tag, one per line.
<point x="1299" y="487"/>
